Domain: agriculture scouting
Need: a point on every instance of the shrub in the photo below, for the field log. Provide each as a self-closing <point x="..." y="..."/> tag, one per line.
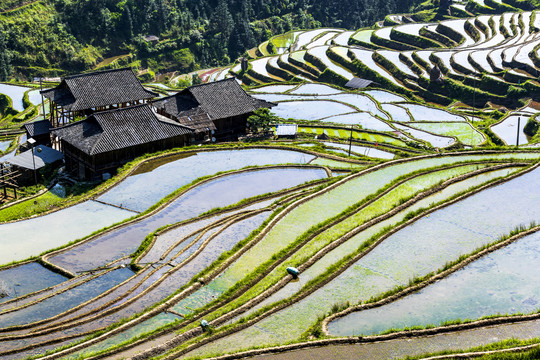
<point x="532" y="127"/>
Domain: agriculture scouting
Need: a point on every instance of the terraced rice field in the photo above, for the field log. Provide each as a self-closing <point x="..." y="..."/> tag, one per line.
<point x="401" y="57"/>
<point x="387" y="228"/>
<point x="197" y="265"/>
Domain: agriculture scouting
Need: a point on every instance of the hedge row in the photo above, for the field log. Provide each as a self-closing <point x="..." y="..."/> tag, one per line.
<point x="353" y="41"/>
<point x="467" y="94"/>
<point x="413" y="40"/>
<point x="460" y="67"/>
<point x="389" y="22"/>
<point x="411" y="64"/>
<point x="483" y="27"/>
<point x="520" y="4"/>
<point x="295" y="70"/>
<point x="391" y="44"/>
<point x="458" y="12"/>
<point x="310" y="69"/>
<point x="6" y="106"/>
<point x="363" y="71"/>
<point x="331" y="77"/>
<point x="476" y="8"/>
<point x="279" y="72"/>
<point x="500" y="7"/>
<point x="437" y="37"/>
<point x="392" y="69"/>
<point x="493" y="85"/>
<point x="451" y="33"/>
<point x="472" y="31"/>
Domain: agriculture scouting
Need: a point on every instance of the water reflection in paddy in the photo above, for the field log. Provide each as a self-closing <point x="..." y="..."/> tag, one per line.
<point x="66" y="300"/>
<point x="21" y="240"/>
<point x="176" y="278"/>
<point x="142" y="190"/>
<point x="416" y="250"/>
<point x="503" y="282"/>
<point x="4" y="145"/>
<point x="24" y="279"/>
<point x="363" y="150"/>
<point x="217" y="193"/>
<point x="508" y="130"/>
<point x="16" y="94"/>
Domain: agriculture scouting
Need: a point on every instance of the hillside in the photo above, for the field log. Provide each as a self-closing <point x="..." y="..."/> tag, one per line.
<point x="56" y="37"/>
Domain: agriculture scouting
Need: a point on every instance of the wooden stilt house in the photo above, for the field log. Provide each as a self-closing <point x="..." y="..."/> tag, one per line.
<point x="84" y="94"/>
<point x="106" y="140"/>
<point x="220" y="107"/>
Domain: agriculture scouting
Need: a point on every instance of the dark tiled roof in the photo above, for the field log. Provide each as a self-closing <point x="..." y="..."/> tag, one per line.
<point x="224" y="98"/>
<point x="42" y="155"/>
<point x="178" y="105"/>
<point x="186" y="111"/>
<point x="357" y="83"/>
<point x="102" y="88"/>
<point x="37" y="128"/>
<point x="118" y="129"/>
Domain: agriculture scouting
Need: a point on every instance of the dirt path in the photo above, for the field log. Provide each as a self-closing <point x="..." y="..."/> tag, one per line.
<point x="400" y="348"/>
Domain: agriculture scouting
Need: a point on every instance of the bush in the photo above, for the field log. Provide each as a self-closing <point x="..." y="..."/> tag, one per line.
<point x="261" y="120"/>
<point x="532" y="127"/>
<point x="147" y="76"/>
<point x="6" y="106"/>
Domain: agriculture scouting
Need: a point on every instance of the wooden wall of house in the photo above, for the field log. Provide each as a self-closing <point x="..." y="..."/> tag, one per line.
<point x="88" y="167"/>
<point x="231" y="126"/>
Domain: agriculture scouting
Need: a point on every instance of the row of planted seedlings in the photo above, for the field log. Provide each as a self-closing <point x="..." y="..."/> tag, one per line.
<point x="114" y="295"/>
<point x="177" y="230"/>
<point x="302" y="313"/>
<point x="109" y="184"/>
<point x="301" y="158"/>
<point x="512" y="247"/>
<point x="161" y="316"/>
<point x="193" y="325"/>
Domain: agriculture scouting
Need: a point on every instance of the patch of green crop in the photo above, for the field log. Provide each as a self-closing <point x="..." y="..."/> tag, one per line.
<point x="465" y="132"/>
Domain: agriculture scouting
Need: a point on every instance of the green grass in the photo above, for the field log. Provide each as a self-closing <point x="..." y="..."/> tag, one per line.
<point x="335" y="164"/>
<point x="465" y="132"/>
<point x="357" y="135"/>
<point x="394" y="198"/>
<point x="40" y="204"/>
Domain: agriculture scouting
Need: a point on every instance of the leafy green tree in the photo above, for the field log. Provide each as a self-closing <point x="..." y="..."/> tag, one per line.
<point x="261" y="120"/>
<point x="5" y="56"/>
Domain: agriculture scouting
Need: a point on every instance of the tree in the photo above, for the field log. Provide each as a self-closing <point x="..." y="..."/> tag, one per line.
<point x="5" y="56"/>
<point x="261" y="120"/>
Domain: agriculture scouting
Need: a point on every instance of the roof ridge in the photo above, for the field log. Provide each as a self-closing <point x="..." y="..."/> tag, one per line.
<point x="97" y="72"/>
<point x="211" y="82"/>
<point x="119" y="109"/>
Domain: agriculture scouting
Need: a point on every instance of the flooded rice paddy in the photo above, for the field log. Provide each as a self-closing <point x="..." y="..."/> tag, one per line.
<point x="4" y="145"/>
<point x="61" y="227"/>
<point x="503" y="282"/>
<point x="143" y="189"/>
<point x="16" y="94"/>
<point x="416" y="250"/>
<point x="220" y="192"/>
<point x="25" y="279"/>
<point x="68" y="299"/>
<point x="363" y="150"/>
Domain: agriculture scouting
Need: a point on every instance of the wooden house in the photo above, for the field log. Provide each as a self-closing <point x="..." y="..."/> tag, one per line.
<point x="220" y="108"/>
<point x="106" y="140"/>
<point x="84" y="94"/>
<point x="30" y="161"/>
<point x="39" y="131"/>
